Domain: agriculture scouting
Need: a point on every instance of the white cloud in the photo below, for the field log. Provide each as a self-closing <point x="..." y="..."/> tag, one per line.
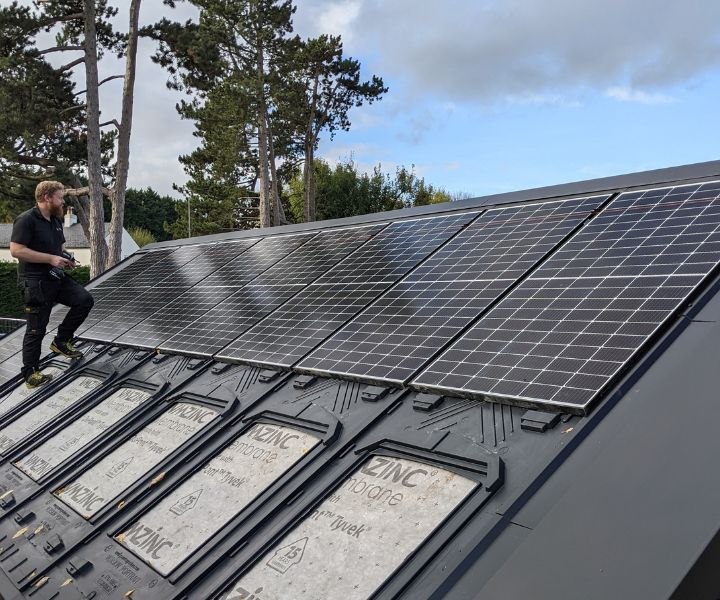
<point x="569" y="101"/>
<point x="336" y="17"/>
<point x="524" y="49"/>
<point x="337" y="153"/>
<point x="627" y="94"/>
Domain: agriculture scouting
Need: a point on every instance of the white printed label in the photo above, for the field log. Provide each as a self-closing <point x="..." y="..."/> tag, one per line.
<point x="191" y="514"/>
<point x="22" y="392"/>
<point x="81" y="432"/>
<point x="46" y="411"/>
<point x="350" y="544"/>
<point x="97" y="486"/>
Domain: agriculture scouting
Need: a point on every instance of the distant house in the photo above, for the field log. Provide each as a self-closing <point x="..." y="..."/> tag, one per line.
<point x="75" y="240"/>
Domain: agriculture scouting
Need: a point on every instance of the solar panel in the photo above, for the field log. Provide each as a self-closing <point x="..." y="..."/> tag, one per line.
<point x="167" y="265"/>
<point x="121" y="276"/>
<point x="11" y="366"/>
<point x="407" y="326"/>
<point x="11" y="343"/>
<point x="12" y="346"/>
<point x="257" y="260"/>
<point x="567" y="332"/>
<point x="174" y="317"/>
<point x="135" y="265"/>
<point x="149" y="301"/>
<point x="248" y="305"/>
<point x="11" y="360"/>
<point x="110" y="297"/>
<point x="309" y="317"/>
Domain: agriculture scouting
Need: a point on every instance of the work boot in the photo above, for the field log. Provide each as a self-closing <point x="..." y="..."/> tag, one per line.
<point x="36" y="379"/>
<point x="65" y="348"/>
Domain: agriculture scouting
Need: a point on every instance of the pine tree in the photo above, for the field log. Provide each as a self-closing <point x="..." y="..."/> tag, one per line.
<point x="226" y="62"/>
<point x="323" y="86"/>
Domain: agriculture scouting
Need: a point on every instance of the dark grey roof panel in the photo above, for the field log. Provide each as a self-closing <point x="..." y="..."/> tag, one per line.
<point x="632" y="507"/>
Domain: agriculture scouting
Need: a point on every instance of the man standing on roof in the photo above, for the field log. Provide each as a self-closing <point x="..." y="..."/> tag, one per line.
<point x="37" y="242"/>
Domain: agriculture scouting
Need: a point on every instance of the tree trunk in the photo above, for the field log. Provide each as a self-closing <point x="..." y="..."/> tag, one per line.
<point x="123" y="157"/>
<point x="309" y="148"/>
<point x="263" y="140"/>
<point x="81" y="203"/>
<point x="309" y="182"/>
<point x="98" y="247"/>
<point x="279" y="217"/>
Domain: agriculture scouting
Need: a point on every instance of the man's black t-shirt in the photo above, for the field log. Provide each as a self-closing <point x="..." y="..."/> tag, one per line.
<point x="33" y="230"/>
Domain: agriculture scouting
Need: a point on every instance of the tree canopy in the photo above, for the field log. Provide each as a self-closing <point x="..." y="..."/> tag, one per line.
<point x="260" y="98"/>
<point x="344" y="191"/>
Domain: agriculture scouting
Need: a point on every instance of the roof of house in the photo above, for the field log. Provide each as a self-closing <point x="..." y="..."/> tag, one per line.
<point x="390" y="488"/>
<point x="74" y="235"/>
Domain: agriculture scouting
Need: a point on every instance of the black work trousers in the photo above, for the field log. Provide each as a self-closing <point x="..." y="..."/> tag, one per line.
<point x="40" y="296"/>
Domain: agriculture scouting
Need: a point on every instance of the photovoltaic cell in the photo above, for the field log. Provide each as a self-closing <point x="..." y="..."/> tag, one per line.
<point x="567" y="332"/>
<point x="167" y="265"/>
<point x="171" y="322"/>
<point x="257" y="260"/>
<point x="11" y="358"/>
<point x="124" y="274"/>
<point x="174" y="317"/>
<point x="110" y="297"/>
<point x="135" y="266"/>
<point x="249" y="304"/>
<point x="308" y="318"/>
<point x="149" y="301"/>
<point x="12" y="345"/>
<point x="404" y="328"/>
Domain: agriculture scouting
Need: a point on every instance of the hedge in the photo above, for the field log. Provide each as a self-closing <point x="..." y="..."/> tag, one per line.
<point x="11" y="301"/>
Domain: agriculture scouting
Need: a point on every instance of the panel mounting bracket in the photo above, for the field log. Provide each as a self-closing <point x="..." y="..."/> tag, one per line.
<point x="535" y="420"/>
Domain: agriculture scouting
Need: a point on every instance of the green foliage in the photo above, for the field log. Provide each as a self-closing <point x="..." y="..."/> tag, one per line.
<point x="42" y="130"/>
<point x="319" y="88"/>
<point x="225" y="164"/>
<point x="11" y="299"/>
<point x="146" y="209"/>
<point x="344" y="192"/>
<point x="213" y="212"/>
<point x="40" y="113"/>
<point x="141" y="236"/>
<point x="323" y="85"/>
<point x="79" y="274"/>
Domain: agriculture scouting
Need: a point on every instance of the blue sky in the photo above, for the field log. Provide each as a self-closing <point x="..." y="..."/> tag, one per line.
<point x="488" y="96"/>
<point x="496" y="96"/>
<point x="482" y="150"/>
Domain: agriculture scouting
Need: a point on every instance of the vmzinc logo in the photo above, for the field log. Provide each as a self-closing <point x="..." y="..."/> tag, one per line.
<point x="386" y="480"/>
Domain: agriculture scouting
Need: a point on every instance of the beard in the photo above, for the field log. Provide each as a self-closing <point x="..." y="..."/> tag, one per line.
<point x="57" y="211"/>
